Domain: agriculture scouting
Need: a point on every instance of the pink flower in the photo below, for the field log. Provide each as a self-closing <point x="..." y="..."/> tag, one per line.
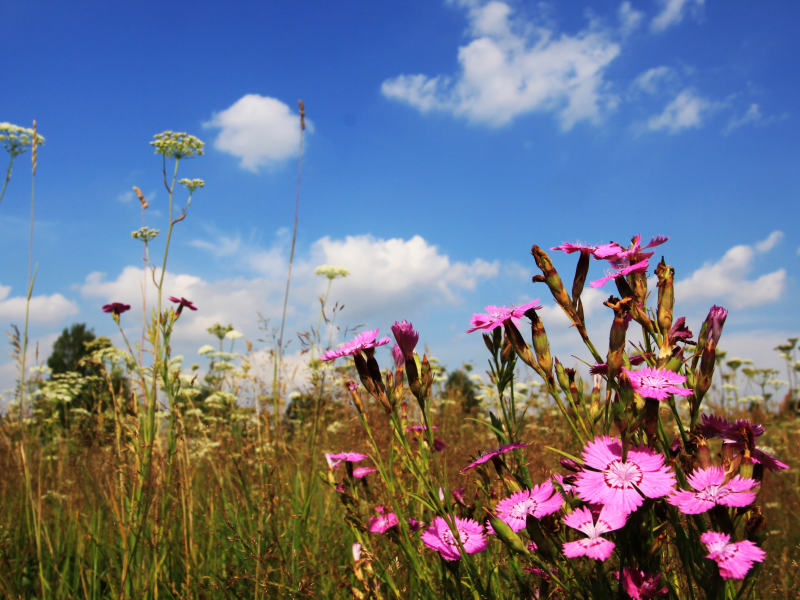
<point x="710" y="491"/>
<point x="415" y="525"/>
<point x="419" y="428"/>
<point x="593" y="546"/>
<point x="607" y="250"/>
<point x="680" y="332"/>
<point x="362" y="341"/>
<point x="497" y="315"/>
<point x="363" y="472"/>
<point x="641" y="585"/>
<point x="734" y="560"/>
<point x="715" y="321"/>
<point x="613" y="481"/>
<point x="406" y="337"/>
<point x="438" y="445"/>
<point x="458" y="494"/>
<point x="657" y="383"/>
<point x="381" y="523"/>
<point x="538" y="502"/>
<point x="639" y="267"/>
<point x="439" y="537"/>
<point x="346" y="456"/>
<point x="570" y="248"/>
<point x="485" y="456"/>
<point x="116" y="308"/>
<point x="333" y="462"/>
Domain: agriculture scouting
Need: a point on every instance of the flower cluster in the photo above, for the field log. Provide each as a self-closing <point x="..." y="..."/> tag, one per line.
<point x="16" y="139"/>
<point x="331" y="272"/>
<point x="177" y="145"/>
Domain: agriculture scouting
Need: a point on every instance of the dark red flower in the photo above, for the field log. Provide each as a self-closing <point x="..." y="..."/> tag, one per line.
<point x="183" y="303"/>
<point x="116" y="308"/>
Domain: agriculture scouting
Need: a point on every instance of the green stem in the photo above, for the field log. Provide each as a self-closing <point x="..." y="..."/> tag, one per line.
<point x="8" y="175"/>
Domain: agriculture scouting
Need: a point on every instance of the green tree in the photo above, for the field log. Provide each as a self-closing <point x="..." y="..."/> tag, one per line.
<point x="70" y="348"/>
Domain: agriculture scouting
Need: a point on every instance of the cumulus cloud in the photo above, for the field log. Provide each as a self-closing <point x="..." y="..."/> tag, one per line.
<point x="512" y="67"/>
<point x="260" y="130"/>
<point x="725" y="281"/>
<point x="673" y="12"/>
<point x="44" y="309"/>
<point x="387" y="276"/>
<point x="686" y="111"/>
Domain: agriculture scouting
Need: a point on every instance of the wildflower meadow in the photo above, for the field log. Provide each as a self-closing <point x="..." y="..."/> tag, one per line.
<point x="636" y="468"/>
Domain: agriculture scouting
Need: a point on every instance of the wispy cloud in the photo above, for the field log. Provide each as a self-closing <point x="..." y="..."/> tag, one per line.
<point x="673" y="12"/>
<point x="687" y="110"/>
<point x="754" y="116"/>
<point x="260" y="130"/>
<point x="513" y="67"/>
<point x="725" y="281"/>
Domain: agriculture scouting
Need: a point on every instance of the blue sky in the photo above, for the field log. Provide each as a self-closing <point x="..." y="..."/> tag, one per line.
<point x="446" y="138"/>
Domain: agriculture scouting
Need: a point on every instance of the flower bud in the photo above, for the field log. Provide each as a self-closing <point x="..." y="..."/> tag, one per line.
<point x="553" y="281"/>
<point x="580" y="278"/>
<point x="570" y="464"/>
<point x="756" y="526"/>
<point x="540" y="344"/>
<point x="352" y="388"/>
<point x="638" y="286"/>
<point x="561" y="376"/>
<point x="616" y="340"/>
<point x="513" y="334"/>
<point x="506" y="535"/>
<point x="666" y="297"/>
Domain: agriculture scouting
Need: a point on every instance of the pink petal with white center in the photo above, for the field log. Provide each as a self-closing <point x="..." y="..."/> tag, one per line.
<point x="734" y="560"/>
<point x="598" y="548"/>
<point x="538" y="502"/>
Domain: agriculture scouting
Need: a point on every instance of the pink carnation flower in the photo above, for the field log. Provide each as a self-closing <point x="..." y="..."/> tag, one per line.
<point x="407" y="337"/>
<point x="497" y="315"/>
<point x="345" y="456"/>
<point x="734" y="560"/>
<point x="640" y="585"/>
<point x="639" y="267"/>
<point x="439" y="537"/>
<point x="570" y="248"/>
<point x="362" y="341"/>
<point x="593" y="546"/>
<point x="485" y="456"/>
<point x="710" y="491"/>
<point x="657" y="383"/>
<point x="540" y="501"/>
<point x="381" y="523"/>
<point x="606" y="251"/>
<point x="363" y="471"/>
<point x="612" y="481"/>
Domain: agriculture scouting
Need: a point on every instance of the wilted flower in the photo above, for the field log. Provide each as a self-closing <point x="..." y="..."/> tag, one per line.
<point x="192" y="184"/>
<point x="613" y="481"/>
<point x="540" y="501"/>
<point x="177" y="145"/>
<point x="741" y="434"/>
<point x="145" y="234"/>
<point x="640" y="585"/>
<point x="497" y="315"/>
<point x="485" y="456"/>
<point x="331" y="272"/>
<point x="593" y="546"/>
<point x="439" y="537"/>
<point x="659" y="384"/>
<point x="116" y="308"/>
<point x="734" y="560"/>
<point x="711" y="491"/>
<point x="182" y="303"/>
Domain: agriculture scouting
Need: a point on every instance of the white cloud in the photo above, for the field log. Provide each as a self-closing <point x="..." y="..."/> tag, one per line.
<point x="513" y="67"/>
<point x="387" y="276"/>
<point x="630" y="19"/>
<point x="771" y="241"/>
<point x="725" y="281"/>
<point x="650" y="80"/>
<point x="673" y="11"/>
<point x="43" y="309"/>
<point x="752" y="115"/>
<point x="685" y="111"/>
<point x="260" y="130"/>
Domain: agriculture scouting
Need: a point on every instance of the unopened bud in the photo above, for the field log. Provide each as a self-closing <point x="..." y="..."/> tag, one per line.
<point x="506" y="535"/>
<point x="756" y="526"/>
<point x="666" y="297"/>
<point x="520" y="347"/>
<point x="352" y="388"/>
<point x="570" y="464"/>
<point x="540" y="343"/>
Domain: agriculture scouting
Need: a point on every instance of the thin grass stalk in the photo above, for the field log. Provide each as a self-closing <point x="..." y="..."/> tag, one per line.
<point x="279" y="351"/>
